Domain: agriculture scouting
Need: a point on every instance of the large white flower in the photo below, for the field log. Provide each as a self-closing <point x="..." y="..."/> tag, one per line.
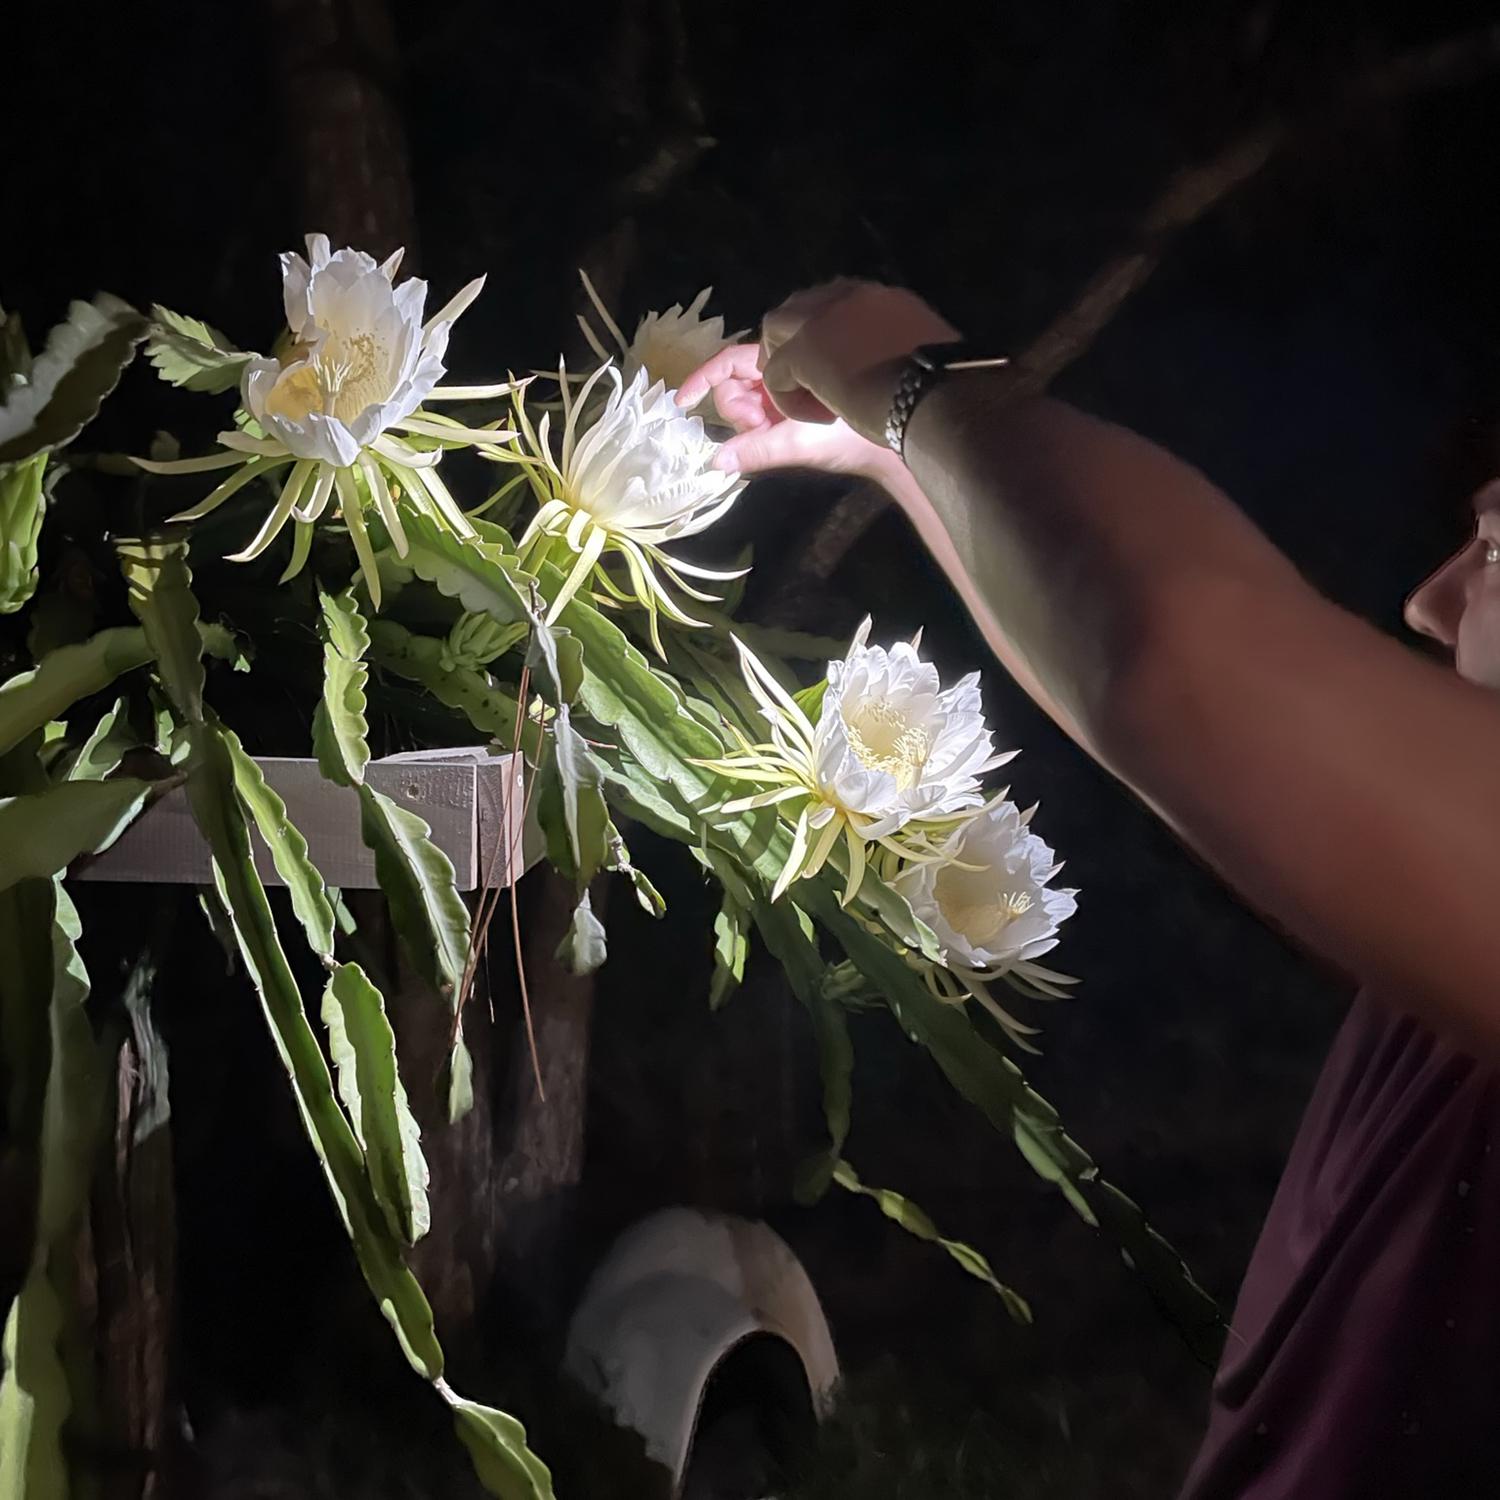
<point x="639" y="475"/>
<point x="668" y="345"/>
<point x="892" y="745"/>
<point x="893" y="760"/>
<point x="990" y="906"/>
<point x="342" y="405"/>
<point x="988" y="900"/>
<point x="361" y="359"/>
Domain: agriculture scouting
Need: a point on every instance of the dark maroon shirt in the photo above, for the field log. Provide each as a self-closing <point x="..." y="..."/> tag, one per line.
<point x="1363" y="1361"/>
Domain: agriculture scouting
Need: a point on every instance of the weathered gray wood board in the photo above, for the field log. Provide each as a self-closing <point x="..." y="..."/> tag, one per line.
<point x="470" y="799"/>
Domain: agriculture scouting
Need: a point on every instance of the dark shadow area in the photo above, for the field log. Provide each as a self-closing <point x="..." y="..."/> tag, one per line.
<point x="755" y="1423"/>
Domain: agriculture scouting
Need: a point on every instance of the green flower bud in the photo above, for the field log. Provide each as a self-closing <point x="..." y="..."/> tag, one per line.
<point x="476" y="640"/>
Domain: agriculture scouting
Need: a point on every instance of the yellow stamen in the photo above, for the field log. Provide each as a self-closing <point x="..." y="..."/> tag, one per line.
<point x="883" y="739"/>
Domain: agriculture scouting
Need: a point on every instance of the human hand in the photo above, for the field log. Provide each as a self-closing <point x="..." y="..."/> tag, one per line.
<point x="816" y="393"/>
<point x="765" y="439"/>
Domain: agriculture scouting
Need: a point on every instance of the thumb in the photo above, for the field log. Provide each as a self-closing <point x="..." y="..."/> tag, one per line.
<point x="757" y="452"/>
<point x="786" y="390"/>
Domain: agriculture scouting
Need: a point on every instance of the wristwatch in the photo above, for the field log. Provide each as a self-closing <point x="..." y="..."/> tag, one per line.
<point x="925" y="367"/>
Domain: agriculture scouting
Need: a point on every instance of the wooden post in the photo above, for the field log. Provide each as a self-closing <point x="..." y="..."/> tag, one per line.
<point x="133" y="1226"/>
<point x="503" y="1177"/>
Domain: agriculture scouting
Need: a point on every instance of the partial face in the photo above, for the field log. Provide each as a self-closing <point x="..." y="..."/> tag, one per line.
<point x="1459" y="604"/>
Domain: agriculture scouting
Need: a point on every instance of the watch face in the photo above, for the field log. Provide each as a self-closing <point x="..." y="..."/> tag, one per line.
<point x="959" y="355"/>
<point x="937" y="356"/>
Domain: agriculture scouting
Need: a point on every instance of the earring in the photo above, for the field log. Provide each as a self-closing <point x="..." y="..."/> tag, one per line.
<point x="1492" y="552"/>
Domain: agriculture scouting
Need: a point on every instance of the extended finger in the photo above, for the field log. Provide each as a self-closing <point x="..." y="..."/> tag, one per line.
<point x="743" y="406"/>
<point x="756" y="452"/>
<point x="737" y="362"/>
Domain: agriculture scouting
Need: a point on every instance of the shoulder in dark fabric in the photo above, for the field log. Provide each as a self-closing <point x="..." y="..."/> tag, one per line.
<point x="1363" y="1361"/>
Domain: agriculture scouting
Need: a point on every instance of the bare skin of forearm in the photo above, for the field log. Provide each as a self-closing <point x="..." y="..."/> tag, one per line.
<point x="1347" y="787"/>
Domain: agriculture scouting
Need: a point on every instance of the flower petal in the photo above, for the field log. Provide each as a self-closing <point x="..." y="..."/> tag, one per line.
<point x="455" y="306"/>
<point x="352" y="509"/>
<point x="202" y="465"/>
<point x="217" y="496"/>
<point x="277" y="516"/>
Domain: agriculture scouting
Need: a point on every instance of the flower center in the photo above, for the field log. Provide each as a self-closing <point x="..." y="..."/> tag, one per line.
<point x="979" y="918"/>
<point x="345" y="377"/>
<point x="350" y="369"/>
<point x="883" y="739"/>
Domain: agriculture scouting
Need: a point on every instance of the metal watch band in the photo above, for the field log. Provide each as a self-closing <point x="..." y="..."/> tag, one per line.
<point x="916" y="374"/>
<point x="924" y="369"/>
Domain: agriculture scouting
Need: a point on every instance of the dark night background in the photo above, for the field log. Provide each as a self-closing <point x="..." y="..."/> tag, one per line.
<point x="1326" y="345"/>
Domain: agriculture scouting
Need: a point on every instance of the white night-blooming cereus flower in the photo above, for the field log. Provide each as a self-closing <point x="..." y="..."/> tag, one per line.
<point x="637" y="476"/>
<point x="668" y="345"/>
<point x="341" y="409"/>
<point x="893" y="760"/>
<point x="989" y="903"/>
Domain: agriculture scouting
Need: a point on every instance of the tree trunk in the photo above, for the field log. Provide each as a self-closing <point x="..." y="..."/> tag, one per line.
<point x="338" y="77"/>
<point x="500" y="1174"/>
<point x="134" y="1253"/>
<point x="503" y="1176"/>
<point x="543" y="1159"/>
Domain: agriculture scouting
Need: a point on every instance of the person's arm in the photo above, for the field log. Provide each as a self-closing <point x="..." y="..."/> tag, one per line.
<point x="1347" y="787"/>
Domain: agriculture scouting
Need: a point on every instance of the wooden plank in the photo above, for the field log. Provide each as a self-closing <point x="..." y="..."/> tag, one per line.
<point x="470" y="799"/>
<point x="499" y="797"/>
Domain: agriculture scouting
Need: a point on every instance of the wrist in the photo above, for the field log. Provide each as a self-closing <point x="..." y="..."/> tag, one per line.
<point x="842" y="353"/>
<point x="881" y="466"/>
<point x="866" y="400"/>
